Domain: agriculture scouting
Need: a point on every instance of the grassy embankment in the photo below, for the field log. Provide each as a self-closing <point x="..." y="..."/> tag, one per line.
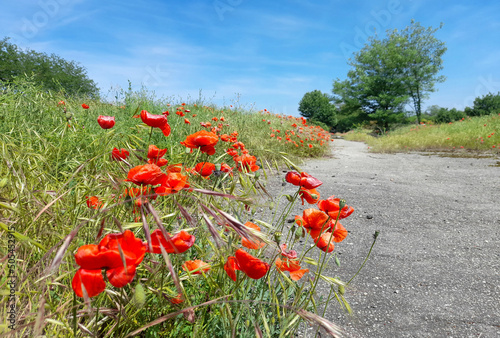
<point x="477" y="134"/>
<point x="51" y="161"/>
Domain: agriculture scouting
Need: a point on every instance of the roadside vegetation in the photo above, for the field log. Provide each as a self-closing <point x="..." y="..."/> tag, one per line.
<point x="469" y="134"/>
<point x="140" y="215"/>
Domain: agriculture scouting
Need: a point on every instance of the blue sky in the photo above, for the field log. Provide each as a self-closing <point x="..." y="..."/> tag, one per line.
<point x="258" y="54"/>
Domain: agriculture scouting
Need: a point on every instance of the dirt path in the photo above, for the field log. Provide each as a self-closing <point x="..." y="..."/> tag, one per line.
<point x="435" y="270"/>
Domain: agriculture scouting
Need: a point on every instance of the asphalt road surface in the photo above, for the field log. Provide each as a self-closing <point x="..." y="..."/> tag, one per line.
<point x="435" y="269"/>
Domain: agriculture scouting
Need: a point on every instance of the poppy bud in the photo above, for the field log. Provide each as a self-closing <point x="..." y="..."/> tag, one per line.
<point x="3" y="182"/>
<point x="106" y="122"/>
<point x="341" y="289"/>
<point x="139" y="296"/>
<point x="341" y="204"/>
<point x="277" y="237"/>
<point x="289" y="198"/>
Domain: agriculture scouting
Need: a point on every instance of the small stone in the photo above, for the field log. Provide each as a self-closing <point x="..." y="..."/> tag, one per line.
<point x="369" y="216"/>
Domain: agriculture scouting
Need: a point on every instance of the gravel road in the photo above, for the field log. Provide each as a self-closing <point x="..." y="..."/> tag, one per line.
<point x="435" y="269"/>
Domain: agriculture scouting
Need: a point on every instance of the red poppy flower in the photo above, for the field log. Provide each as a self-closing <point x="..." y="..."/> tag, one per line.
<point x="179" y="243"/>
<point x="310" y="195"/>
<point x="230" y="267"/>
<point x="325" y="242"/>
<point x="340" y="233"/>
<point x="93" y="202"/>
<point x="291" y="266"/>
<point x="303" y="179"/>
<point x="252" y="244"/>
<point x="332" y="207"/>
<point x="106" y="122"/>
<point x="195" y="265"/>
<point x="186" y="121"/>
<point x="174" y="168"/>
<point x="85" y="106"/>
<point x="314" y="221"/>
<point x="119" y="154"/>
<point x="145" y="174"/>
<point x="204" y="140"/>
<point x="247" y="161"/>
<point x="91" y="280"/>
<point x="154" y="152"/>
<point x="177" y="300"/>
<point x="292" y="254"/>
<point x="226" y="168"/>
<point x="225" y="138"/>
<point x="160" y="162"/>
<point x="156" y="121"/>
<point x="61" y="103"/>
<point x="205" y="169"/>
<point x="118" y="254"/>
<point x="250" y="265"/>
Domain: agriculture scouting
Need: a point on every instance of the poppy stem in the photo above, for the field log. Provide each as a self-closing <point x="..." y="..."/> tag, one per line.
<point x="74" y="314"/>
<point x="368" y="256"/>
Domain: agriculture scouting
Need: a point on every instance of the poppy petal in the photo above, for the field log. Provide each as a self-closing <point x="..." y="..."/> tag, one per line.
<point x="250" y="265"/>
<point x="91" y="280"/>
<point x="121" y="276"/>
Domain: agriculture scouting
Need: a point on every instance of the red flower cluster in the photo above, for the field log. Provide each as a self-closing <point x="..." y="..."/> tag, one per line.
<point x="118" y="254"/>
<point x="321" y="228"/>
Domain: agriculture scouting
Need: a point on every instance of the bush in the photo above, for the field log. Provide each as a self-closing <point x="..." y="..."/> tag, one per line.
<point x="486" y="105"/>
<point x="445" y="115"/>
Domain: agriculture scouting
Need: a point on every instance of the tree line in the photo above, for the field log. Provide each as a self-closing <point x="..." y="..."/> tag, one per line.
<point x="50" y="71"/>
<point x="385" y="77"/>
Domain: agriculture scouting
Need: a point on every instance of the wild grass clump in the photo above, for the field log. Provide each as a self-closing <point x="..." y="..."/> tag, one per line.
<point x="126" y="230"/>
<point x="478" y="134"/>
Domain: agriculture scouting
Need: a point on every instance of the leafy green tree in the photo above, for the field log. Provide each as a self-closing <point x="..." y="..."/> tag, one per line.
<point x="419" y="61"/>
<point x="486" y="105"/>
<point x="387" y="73"/>
<point x="316" y="106"/>
<point x="50" y="71"/>
<point x="374" y="83"/>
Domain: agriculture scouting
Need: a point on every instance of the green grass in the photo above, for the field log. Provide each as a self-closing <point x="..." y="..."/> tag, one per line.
<point x="52" y="160"/>
<point x="477" y="134"/>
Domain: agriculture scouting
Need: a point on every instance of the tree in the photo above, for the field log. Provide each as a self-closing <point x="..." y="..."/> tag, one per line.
<point x="486" y="105"/>
<point x="52" y="72"/>
<point x="316" y="106"/>
<point x="421" y="60"/>
<point x="374" y="83"/>
<point x="387" y="73"/>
